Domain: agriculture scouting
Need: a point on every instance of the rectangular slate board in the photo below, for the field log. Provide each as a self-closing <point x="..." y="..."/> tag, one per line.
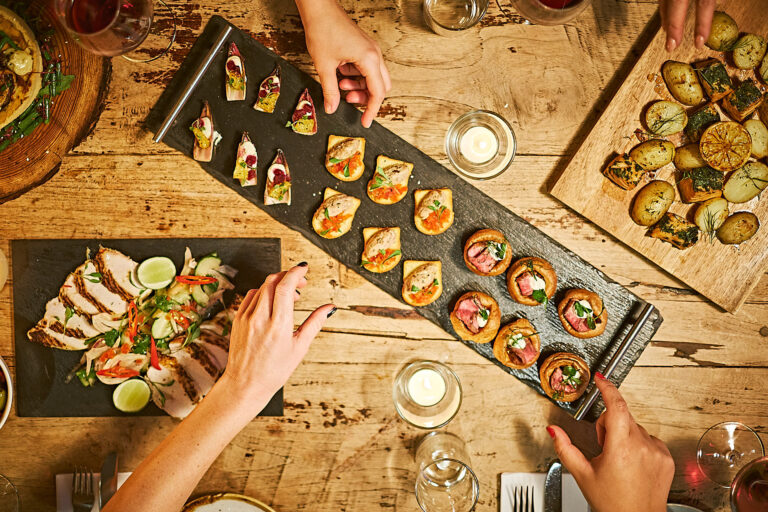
<point x="40" y="268"/>
<point x="474" y="210"/>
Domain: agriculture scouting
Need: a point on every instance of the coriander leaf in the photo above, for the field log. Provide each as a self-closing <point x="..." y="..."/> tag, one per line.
<point x="415" y="288"/>
<point x="94" y="277"/>
<point x="539" y="296"/>
<point x="346" y="170"/>
<point x="334" y="160"/>
<point x="484" y="313"/>
<point x="110" y="337"/>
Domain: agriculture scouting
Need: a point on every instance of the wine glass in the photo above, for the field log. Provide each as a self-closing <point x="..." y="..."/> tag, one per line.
<point x="445" y="482"/>
<point x="114" y="27"/>
<point x="550" y="12"/>
<point x="749" y="490"/>
<point x="451" y="17"/>
<point x="725" y="448"/>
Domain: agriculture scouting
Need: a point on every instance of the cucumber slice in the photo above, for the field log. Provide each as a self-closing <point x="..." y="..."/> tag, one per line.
<point x="199" y="295"/>
<point x="179" y="292"/>
<point x="156" y="273"/>
<point x="161" y="327"/>
<point x="207" y="265"/>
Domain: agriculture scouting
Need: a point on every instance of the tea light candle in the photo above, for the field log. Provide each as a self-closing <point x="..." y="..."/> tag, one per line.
<point x="426" y="387"/>
<point x="479" y="145"/>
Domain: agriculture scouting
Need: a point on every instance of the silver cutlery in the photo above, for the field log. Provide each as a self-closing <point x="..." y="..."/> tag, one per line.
<point x="83" y="497"/>
<point x="108" y="480"/>
<point x="522" y="499"/>
<point x="553" y="488"/>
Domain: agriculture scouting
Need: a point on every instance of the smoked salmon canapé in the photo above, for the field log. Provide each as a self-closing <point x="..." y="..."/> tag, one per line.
<point x="344" y="158"/>
<point x="382" y="249"/>
<point x="517" y="345"/>
<point x="434" y="210"/>
<point x="531" y="281"/>
<point x="487" y="253"/>
<point x="422" y="282"/>
<point x="583" y="313"/>
<point x="389" y="183"/>
<point x="564" y="376"/>
<point x="334" y="216"/>
<point x="476" y="317"/>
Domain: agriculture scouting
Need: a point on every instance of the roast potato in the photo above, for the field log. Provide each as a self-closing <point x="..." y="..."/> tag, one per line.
<point x="711" y="214"/>
<point x="759" y="133"/>
<point x="689" y="157"/>
<point x="653" y="154"/>
<point x="724" y="32"/>
<point x="652" y="202"/>
<point x="763" y="71"/>
<point x="746" y="183"/>
<point x="666" y="118"/>
<point x="749" y="51"/>
<point x="738" y="228"/>
<point x="682" y="82"/>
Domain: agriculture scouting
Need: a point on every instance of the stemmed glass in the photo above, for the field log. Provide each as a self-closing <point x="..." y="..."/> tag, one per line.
<point x="549" y="12"/>
<point x="749" y="490"/>
<point x="445" y="482"/>
<point x="725" y="448"/>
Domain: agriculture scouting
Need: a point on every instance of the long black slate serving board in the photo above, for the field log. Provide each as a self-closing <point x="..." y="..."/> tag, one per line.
<point x="40" y="268"/>
<point x="474" y="210"/>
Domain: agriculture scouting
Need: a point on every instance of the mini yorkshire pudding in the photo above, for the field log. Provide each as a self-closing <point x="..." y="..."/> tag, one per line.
<point x="564" y="376"/>
<point x="531" y="281"/>
<point x="517" y="345"/>
<point x="582" y="313"/>
<point x="476" y="317"/>
<point x="487" y="253"/>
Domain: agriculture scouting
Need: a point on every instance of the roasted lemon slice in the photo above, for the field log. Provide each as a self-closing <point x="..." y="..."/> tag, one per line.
<point x="726" y="146"/>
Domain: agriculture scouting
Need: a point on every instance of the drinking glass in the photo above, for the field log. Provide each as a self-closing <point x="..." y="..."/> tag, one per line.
<point x="549" y="12"/>
<point x="749" y="490"/>
<point x="113" y="27"/>
<point x="725" y="448"/>
<point x="445" y="482"/>
<point x="427" y="394"/>
<point x="450" y="17"/>
<point x="9" y="496"/>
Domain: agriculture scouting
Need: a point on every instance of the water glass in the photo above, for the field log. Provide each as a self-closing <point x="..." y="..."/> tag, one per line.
<point x="450" y="17"/>
<point x="445" y="481"/>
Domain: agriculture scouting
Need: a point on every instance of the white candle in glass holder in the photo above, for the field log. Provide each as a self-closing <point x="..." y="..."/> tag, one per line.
<point x="478" y="145"/>
<point x="426" y="387"/>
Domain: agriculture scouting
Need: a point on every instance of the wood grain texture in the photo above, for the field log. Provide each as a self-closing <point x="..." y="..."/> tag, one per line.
<point x="583" y="188"/>
<point x="74" y="114"/>
<point x="704" y="366"/>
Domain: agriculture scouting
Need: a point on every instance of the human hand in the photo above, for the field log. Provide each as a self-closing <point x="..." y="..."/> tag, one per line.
<point x="335" y="42"/>
<point x="673" y="13"/>
<point x="264" y="350"/>
<point x="635" y="470"/>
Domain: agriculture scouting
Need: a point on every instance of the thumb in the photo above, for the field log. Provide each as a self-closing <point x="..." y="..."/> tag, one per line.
<point x="312" y="325"/>
<point x="571" y="457"/>
<point x="331" y="94"/>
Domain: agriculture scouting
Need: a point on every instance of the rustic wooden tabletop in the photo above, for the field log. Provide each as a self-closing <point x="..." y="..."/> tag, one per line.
<point x="340" y="445"/>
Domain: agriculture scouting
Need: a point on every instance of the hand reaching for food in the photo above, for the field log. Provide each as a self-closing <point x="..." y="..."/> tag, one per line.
<point x="635" y="469"/>
<point x="336" y="43"/>
<point x="673" y="14"/>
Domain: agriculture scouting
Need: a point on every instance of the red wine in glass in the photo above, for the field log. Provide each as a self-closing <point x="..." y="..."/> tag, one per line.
<point x="559" y="4"/>
<point x="107" y="27"/>
<point x="749" y="491"/>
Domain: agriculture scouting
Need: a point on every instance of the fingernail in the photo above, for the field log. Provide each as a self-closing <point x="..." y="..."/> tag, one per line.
<point x="699" y="42"/>
<point x="599" y="376"/>
<point x="331" y="312"/>
<point x="671" y="44"/>
<point x="551" y="432"/>
<point x="302" y="264"/>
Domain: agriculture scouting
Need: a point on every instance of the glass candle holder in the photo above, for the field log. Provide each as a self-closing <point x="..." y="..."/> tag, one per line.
<point x="480" y="144"/>
<point x="451" y="17"/>
<point x="427" y="394"/>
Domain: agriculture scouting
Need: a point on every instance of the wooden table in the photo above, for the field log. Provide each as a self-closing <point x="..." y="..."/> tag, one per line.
<point x="340" y="445"/>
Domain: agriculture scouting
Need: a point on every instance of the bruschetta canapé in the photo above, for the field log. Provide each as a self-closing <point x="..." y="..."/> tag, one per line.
<point x="389" y="183"/>
<point x="334" y="216"/>
<point x="381" y="252"/>
<point x="422" y="282"/>
<point x="434" y="210"/>
<point x="344" y="157"/>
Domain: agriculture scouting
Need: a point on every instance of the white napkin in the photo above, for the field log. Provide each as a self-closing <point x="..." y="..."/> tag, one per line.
<point x="64" y="490"/>
<point x="573" y="501"/>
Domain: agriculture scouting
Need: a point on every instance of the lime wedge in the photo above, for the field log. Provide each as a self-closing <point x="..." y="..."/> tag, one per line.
<point x="131" y="395"/>
<point x="156" y="273"/>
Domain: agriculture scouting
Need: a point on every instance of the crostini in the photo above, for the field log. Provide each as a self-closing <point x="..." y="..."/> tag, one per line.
<point x="304" y="118"/>
<point x="531" y="281"/>
<point x="487" y="253"/>
<point x="476" y="317"/>
<point x="205" y="135"/>
<point x="278" y="188"/>
<point x="381" y="252"/>
<point x="247" y="160"/>
<point x="582" y="313"/>
<point x="269" y="92"/>
<point x="422" y="282"/>
<point x="344" y="158"/>
<point x="434" y="210"/>
<point x="517" y="345"/>
<point x="334" y="216"/>
<point x="236" y="79"/>
<point x="564" y="376"/>
<point x="390" y="180"/>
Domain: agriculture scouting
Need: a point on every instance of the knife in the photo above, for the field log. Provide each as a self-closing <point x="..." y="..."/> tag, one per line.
<point x="108" y="481"/>
<point x="553" y="488"/>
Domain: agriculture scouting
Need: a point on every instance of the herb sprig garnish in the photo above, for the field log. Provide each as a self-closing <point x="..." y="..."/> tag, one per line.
<point x="586" y="313"/>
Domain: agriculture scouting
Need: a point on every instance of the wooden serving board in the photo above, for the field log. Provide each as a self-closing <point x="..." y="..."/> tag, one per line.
<point x="40" y="268"/>
<point x="474" y="210"/>
<point x="33" y="160"/>
<point x="582" y="186"/>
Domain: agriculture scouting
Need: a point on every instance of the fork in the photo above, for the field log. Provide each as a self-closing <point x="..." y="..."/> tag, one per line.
<point x="522" y="499"/>
<point x="82" y="490"/>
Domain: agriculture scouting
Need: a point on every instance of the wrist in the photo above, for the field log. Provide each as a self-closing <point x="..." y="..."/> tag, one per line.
<point x="312" y="9"/>
<point x="245" y="402"/>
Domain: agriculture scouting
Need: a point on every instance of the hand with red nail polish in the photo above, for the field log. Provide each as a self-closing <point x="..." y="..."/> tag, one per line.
<point x="634" y="471"/>
<point x="673" y="14"/>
